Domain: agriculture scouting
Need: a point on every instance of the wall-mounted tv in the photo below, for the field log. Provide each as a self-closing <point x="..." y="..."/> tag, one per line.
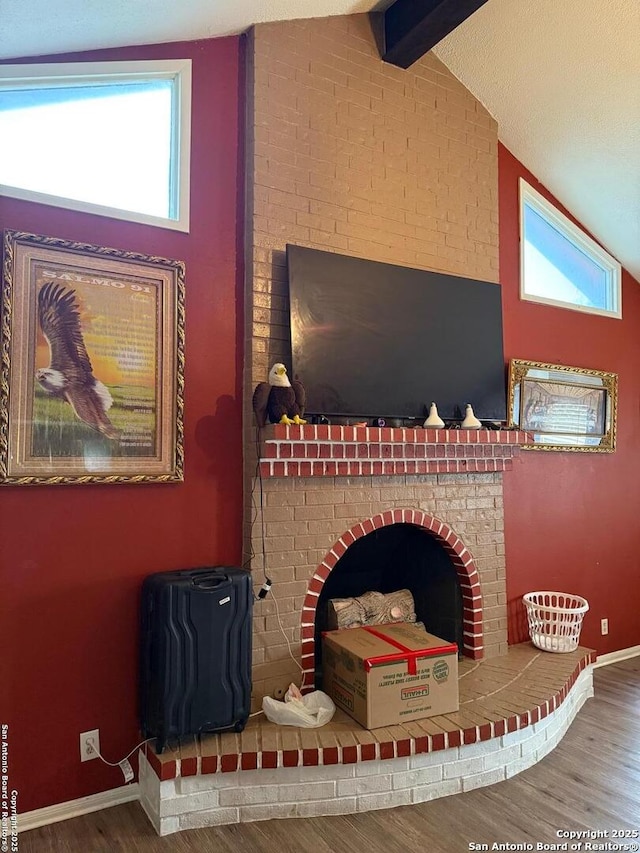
<point x="376" y="340"/>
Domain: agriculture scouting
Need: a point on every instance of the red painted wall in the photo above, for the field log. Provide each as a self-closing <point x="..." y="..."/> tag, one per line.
<point x="571" y="519"/>
<point x="72" y="557"/>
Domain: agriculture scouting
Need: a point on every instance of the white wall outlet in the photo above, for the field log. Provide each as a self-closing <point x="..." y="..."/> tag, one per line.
<point x="89" y="745"/>
<point x="604" y="626"/>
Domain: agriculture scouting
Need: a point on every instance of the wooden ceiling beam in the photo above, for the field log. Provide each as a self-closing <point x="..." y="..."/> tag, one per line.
<point x="413" y="27"/>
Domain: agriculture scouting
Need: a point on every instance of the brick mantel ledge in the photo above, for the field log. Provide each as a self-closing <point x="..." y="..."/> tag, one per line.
<point x="330" y="451"/>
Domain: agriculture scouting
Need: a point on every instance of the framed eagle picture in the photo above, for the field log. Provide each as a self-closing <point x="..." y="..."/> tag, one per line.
<point x="92" y="364"/>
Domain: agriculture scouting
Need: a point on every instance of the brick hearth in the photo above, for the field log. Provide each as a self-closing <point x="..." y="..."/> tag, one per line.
<point x="513" y="711"/>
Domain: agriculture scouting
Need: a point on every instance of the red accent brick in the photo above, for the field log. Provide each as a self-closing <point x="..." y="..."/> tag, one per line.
<point x="330" y="755"/>
<point x="422" y="744"/>
<point x="307" y="661"/>
<point x="377" y="468"/>
<point x="454" y="738"/>
<point x="270" y="760"/>
<point x="307" y="632"/>
<point x="304" y="469"/>
<point x="523" y="720"/>
<point x="331" y="469"/>
<point x="279" y="469"/>
<point x="322" y="431"/>
<point x="208" y="764"/>
<point x="189" y="766"/>
<point x="375" y="451"/>
<point x="499" y="728"/>
<point x="343" y="469"/>
<point x="337" y="451"/>
<point x="422" y="451"/>
<point x="388" y="468"/>
<point x="310" y="602"/>
<point x="164" y="770"/>
<point x="378" y="521"/>
<point x="325" y="451"/>
<point x="403" y="748"/>
<point x="470" y="735"/>
<point x="368" y="525"/>
<point x="249" y="761"/>
<point x="421" y="467"/>
<point x="290" y="757"/>
<point x="339" y="548"/>
<point x="387" y="517"/>
<point x="386" y="750"/>
<point x="229" y="763"/>
<point x="310" y="757"/>
<point x="437" y="742"/>
<point x="349" y="754"/>
<point x="512" y="724"/>
<point x="398" y="451"/>
<point x="535" y="715"/>
<point x="400" y="467"/>
<point x="265" y="469"/>
<point x="366" y="469"/>
<point x="315" y="585"/>
<point x="323" y="571"/>
<point x="307" y="647"/>
<point x="330" y="560"/>
<point x="368" y="751"/>
<point x="350" y="451"/>
<point x="485" y="731"/>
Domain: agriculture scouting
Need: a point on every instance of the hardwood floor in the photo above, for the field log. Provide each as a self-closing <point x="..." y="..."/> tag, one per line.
<point x="591" y="781"/>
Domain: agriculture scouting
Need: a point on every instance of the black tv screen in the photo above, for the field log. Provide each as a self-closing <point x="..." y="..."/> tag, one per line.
<point x="376" y="340"/>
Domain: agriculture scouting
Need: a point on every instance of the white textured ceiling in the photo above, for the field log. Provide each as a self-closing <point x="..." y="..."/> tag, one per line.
<point x="561" y="77"/>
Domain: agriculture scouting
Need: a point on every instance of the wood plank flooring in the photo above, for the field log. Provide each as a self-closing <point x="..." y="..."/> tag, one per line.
<point x="591" y="781"/>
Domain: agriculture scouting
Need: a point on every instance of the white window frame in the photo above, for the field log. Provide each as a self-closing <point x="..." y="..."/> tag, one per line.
<point x="109" y="73"/>
<point x="613" y="271"/>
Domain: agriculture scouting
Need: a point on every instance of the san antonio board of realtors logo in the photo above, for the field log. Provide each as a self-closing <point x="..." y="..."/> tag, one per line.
<point x="441" y="670"/>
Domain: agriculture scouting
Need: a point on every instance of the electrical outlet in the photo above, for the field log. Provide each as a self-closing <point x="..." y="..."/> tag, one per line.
<point x="89" y="750"/>
<point x="604" y="626"/>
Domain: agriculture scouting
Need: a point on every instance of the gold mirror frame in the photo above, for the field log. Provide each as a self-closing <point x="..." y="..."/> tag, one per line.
<point x="563" y="408"/>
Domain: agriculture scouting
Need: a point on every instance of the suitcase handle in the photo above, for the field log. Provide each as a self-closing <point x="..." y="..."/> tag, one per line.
<point x="211" y="582"/>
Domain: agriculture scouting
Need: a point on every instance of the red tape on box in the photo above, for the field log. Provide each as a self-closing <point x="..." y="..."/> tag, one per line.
<point x="411" y="655"/>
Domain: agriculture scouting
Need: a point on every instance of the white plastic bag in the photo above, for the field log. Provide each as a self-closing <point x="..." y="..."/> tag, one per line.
<point x="307" y="712"/>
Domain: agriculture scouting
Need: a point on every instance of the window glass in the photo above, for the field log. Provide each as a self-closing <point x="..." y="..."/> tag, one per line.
<point x="560" y="264"/>
<point x="97" y="139"/>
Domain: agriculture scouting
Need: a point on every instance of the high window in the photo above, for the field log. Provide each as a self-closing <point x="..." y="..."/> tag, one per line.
<point x="560" y="264"/>
<point x="110" y="138"/>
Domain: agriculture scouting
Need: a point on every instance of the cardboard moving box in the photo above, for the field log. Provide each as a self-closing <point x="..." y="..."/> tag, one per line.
<point x="390" y="674"/>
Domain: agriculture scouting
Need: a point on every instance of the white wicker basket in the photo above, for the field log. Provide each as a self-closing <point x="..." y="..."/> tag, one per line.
<point x="555" y="619"/>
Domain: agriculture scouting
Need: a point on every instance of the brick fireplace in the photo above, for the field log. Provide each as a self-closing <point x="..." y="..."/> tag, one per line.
<point x="325" y="488"/>
<point x="346" y="153"/>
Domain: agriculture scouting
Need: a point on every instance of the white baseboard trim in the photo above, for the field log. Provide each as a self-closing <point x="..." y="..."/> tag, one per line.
<point x="616" y="657"/>
<point x="75" y="808"/>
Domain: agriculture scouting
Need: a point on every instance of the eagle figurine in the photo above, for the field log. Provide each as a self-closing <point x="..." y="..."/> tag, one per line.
<point x="279" y="400"/>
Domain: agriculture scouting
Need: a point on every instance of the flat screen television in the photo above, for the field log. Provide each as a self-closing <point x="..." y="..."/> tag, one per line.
<point x="376" y="340"/>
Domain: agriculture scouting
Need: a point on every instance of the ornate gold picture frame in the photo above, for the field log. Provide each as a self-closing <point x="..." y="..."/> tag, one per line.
<point x="92" y="364"/>
<point x="563" y="408"/>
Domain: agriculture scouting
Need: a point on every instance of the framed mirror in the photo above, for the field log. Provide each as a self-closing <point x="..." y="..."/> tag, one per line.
<point x="563" y="408"/>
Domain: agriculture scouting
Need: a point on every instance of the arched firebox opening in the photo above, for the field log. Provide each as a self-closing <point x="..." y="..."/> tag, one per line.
<point x="393" y="557"/>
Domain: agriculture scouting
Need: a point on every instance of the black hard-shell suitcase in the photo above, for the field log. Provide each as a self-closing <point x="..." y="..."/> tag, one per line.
<point x="195" y="662"/>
